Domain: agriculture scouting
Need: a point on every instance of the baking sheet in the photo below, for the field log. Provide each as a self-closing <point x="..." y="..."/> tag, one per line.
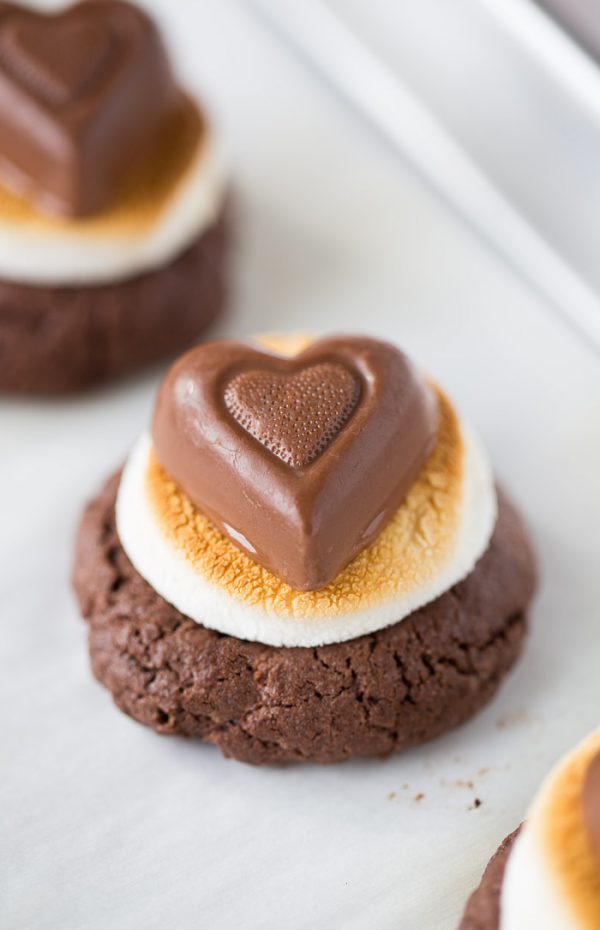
<point x="519" y="97"/>
<point x="105" y="824"/>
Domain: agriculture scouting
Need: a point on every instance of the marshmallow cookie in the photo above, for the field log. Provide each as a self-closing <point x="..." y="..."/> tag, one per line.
<point x="547" y="874"/>
<point x="114" y="230"/>
<point x="306" y="558"/>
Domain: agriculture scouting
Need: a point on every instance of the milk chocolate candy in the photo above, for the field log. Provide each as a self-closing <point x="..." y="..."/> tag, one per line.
<point x="82" y="93"/>
<point x="591" y="805"/>
<point x="300" y="461"/>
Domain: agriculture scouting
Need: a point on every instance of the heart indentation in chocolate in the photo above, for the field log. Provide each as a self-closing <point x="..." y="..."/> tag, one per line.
<point x="591" y="804"/>
<point x="83" y="92"/>
<point x="294" y="416"/>
<point x="56" y="58"/>
<point x="352" y="409"/>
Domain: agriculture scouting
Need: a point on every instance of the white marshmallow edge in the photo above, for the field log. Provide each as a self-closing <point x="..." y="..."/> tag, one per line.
<point x="65" y="255"/>
<point x="175" y="579"/>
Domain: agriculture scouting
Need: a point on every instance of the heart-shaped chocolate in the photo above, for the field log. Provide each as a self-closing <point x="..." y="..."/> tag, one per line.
<point x="591" y="804"/>
<point x="297" y="415"/>
<point x="82" y="92"/>
<point x="300" y="461"/>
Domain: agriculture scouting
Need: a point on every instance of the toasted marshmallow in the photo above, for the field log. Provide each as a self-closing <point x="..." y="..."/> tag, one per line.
<point x="171" y="198"/>
<point x="552" y="879"/>
<point x="432" y="542"/>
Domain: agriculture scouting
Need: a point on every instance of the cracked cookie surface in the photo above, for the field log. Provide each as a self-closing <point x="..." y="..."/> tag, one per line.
<point x="373" y="695"/>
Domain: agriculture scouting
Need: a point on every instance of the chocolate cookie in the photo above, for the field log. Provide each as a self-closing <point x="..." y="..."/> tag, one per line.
<point x="483" y="907"/>
<point x="57" y="340"/>
<point x="373" y="695"/>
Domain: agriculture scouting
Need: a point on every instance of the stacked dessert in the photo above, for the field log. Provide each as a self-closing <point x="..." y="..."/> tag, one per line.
<point x="306" y="558"/>
<point x="113" y="227"/>
<point x="547" y="874"/>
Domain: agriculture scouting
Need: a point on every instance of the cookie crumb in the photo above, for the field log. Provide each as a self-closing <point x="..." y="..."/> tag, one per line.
<point x="391" y="795"/>
<point x="476" y="803"/>
<point x="419" y="796"/>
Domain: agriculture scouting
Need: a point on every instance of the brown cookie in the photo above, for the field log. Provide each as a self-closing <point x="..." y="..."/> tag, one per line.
<point x="483" y="907"/>
<point x="370" y="696"/>
<point x="56" y="340"/>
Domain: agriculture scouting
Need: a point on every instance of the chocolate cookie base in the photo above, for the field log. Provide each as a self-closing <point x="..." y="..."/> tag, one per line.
<point x="59" y="340"/>
<point x="483" y="907"/>
<point x="374" y="695"/>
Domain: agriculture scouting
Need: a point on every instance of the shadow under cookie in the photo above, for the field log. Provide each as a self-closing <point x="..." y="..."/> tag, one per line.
<point x="373" y="695"/>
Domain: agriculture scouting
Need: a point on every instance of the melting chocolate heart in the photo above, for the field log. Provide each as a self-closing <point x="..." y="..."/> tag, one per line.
<point x="306" y="458"/>
<point x="82" y="93"/>
<point x="294" y="416"/>
<point x="591" y="804"/>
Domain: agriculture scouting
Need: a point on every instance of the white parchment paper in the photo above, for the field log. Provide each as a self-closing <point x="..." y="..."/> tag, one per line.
<point x="106" y="825"/>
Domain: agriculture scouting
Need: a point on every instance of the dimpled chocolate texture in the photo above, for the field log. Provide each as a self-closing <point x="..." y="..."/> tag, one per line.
<point x="591" y="804"/>
<point x="83" y="92"/>
<point x="300" y="461"/>
<point x="295" y="417"/>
